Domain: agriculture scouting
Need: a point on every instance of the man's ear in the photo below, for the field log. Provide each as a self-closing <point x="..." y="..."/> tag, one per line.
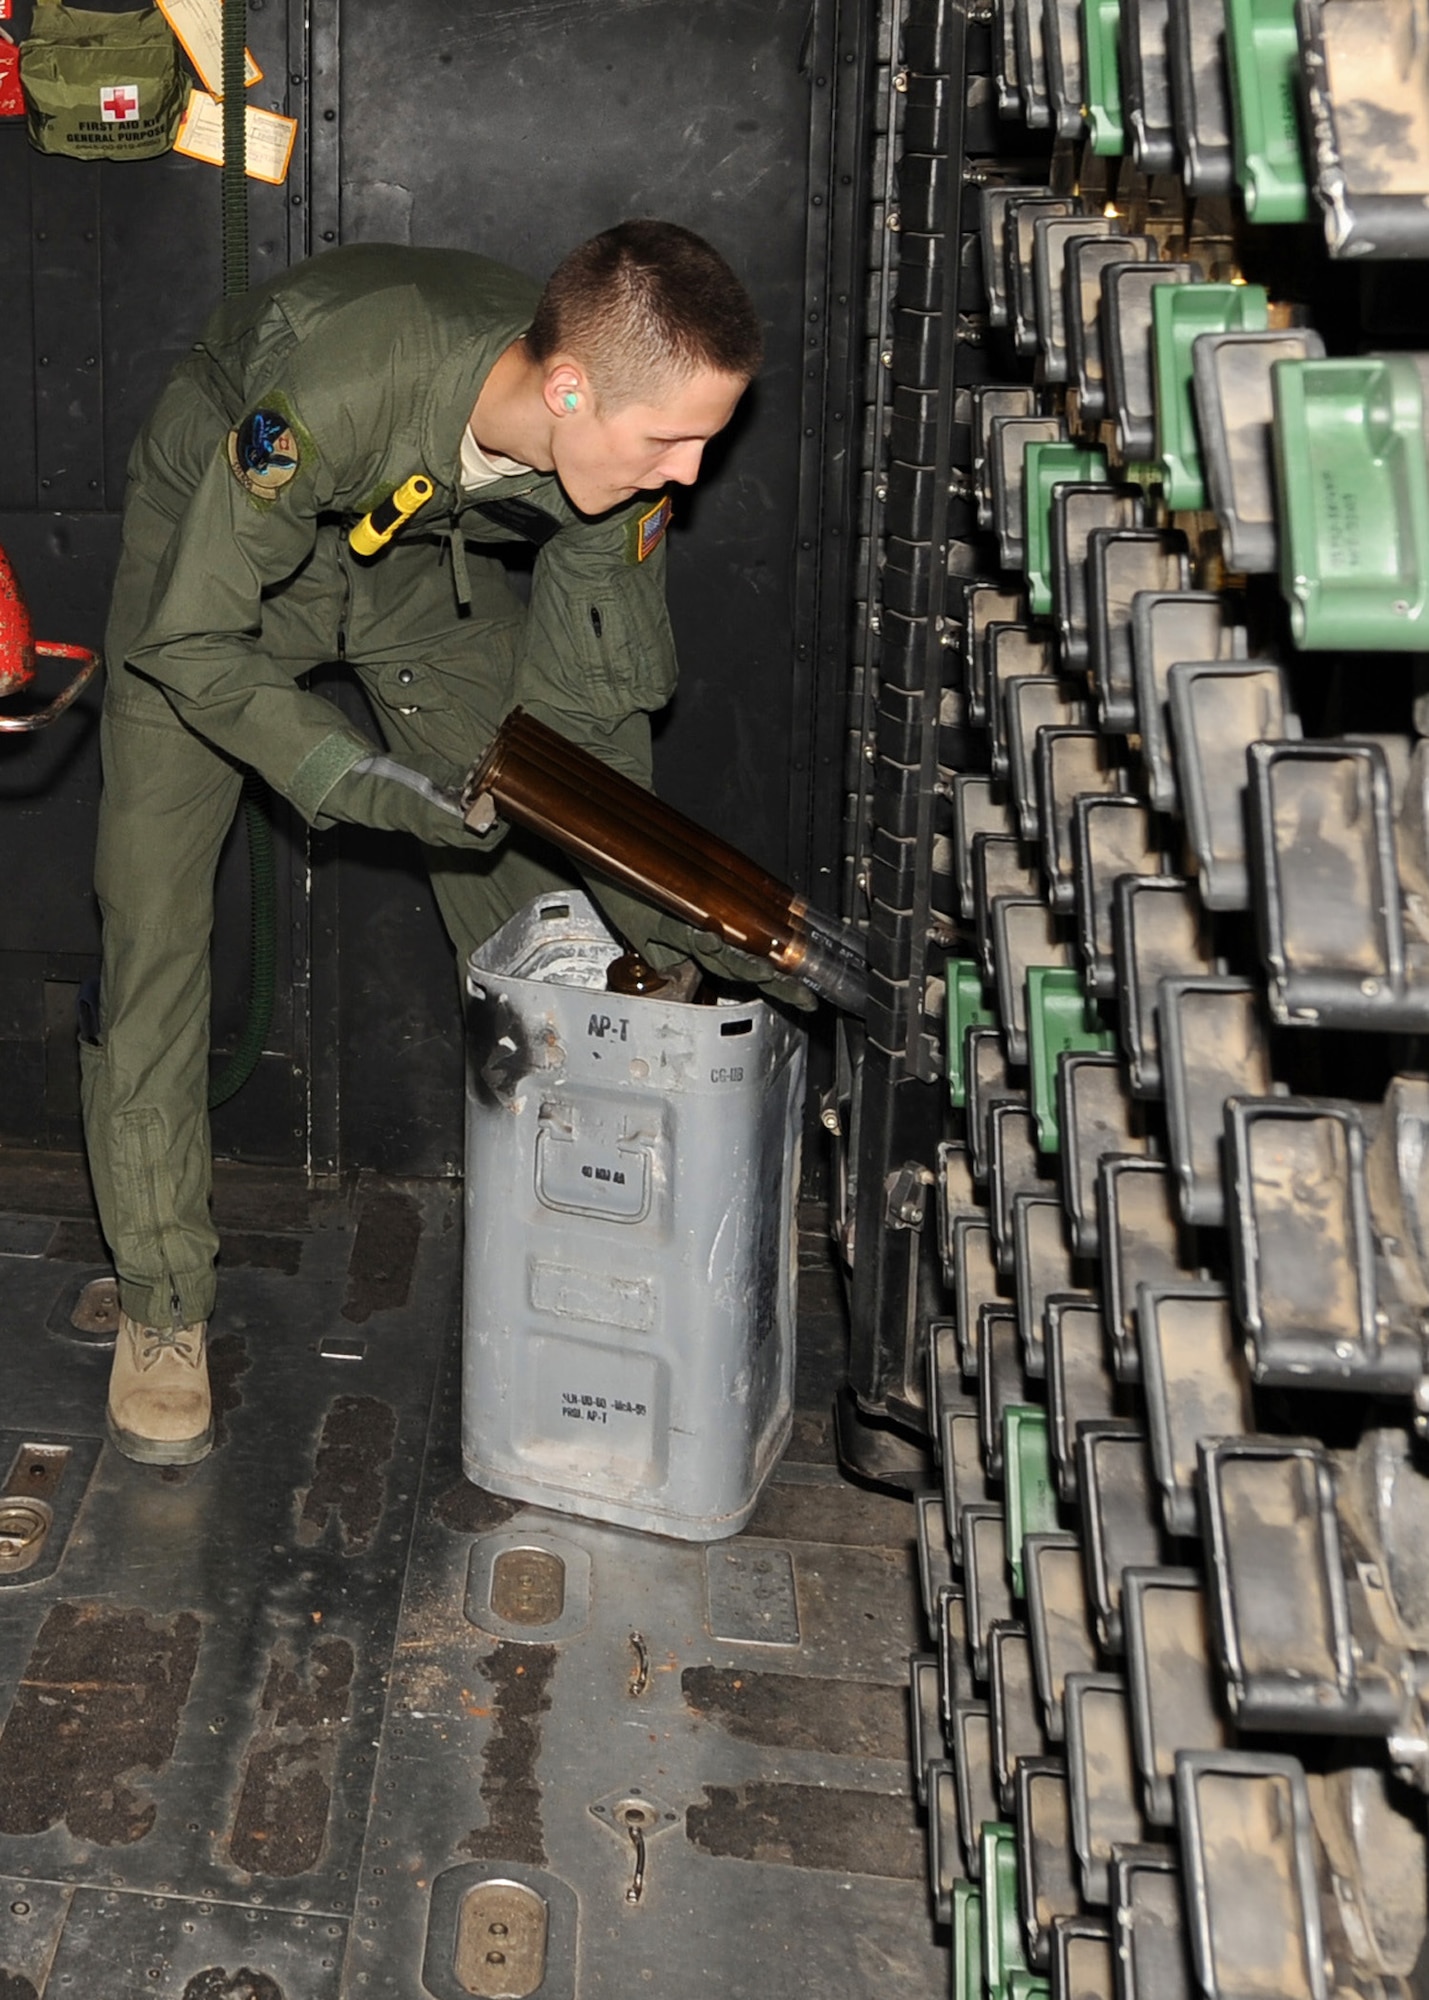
<point x="565" y="388"/>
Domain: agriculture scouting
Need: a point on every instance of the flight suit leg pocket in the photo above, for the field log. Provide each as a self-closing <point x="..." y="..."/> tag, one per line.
<point x="441" y="712"/>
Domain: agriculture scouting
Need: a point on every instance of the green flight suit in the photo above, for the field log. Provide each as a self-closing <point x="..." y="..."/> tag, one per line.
<point x="371" y="359"/>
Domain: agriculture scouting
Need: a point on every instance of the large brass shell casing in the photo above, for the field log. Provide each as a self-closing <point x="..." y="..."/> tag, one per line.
<point x="533" y="777"/>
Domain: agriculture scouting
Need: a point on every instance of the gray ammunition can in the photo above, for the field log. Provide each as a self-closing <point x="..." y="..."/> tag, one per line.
<point x="632" y="1172"/>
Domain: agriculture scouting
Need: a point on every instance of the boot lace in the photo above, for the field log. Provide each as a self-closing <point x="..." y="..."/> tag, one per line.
<point x="156" y="1340"/>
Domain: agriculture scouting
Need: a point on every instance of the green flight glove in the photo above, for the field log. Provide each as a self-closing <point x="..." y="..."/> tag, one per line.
<point x="380" y="792"/>
<point x="743" y="968"/>
<point x="664" y="942"/>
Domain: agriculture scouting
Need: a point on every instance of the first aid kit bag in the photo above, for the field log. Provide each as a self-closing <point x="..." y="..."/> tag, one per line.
<point x="101" y="86"/>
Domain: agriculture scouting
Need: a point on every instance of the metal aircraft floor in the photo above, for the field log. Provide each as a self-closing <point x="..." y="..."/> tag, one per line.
<point x="265" y="1723"/>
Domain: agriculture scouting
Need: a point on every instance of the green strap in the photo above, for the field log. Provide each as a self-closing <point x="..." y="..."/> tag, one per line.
<point x="235" y="149"/>
<point x="461" y="576"/>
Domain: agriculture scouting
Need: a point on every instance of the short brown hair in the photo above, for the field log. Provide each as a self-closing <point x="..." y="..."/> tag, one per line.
<point x="643" y="305"/>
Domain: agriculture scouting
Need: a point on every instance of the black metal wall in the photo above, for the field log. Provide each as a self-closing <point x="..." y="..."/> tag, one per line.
<point x="517" y="130"/>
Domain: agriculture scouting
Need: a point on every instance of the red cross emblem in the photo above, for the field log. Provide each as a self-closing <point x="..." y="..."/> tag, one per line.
<point x="119" y="103"/>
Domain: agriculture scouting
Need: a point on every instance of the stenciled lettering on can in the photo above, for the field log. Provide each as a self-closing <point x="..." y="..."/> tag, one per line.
<point x="597" y="1409"/>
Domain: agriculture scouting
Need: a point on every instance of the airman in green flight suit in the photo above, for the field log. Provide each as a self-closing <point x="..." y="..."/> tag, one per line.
<point x="555" y="417"/>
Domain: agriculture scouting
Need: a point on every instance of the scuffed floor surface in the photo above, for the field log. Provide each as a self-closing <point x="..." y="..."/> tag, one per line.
<point x="270" y="1724"/>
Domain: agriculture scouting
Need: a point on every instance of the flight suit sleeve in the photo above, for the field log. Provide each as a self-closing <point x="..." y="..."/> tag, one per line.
<point x="202" y="639"/>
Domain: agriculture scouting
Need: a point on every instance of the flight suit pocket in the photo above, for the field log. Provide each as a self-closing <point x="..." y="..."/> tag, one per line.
<point x="598" y="647"/>
<point x="414" y="688"/>
<point x="443" y="712"/>
<point x="634" y="646"/>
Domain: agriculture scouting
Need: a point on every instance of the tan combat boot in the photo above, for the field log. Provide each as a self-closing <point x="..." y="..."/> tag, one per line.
<point x="159" y="1408"/>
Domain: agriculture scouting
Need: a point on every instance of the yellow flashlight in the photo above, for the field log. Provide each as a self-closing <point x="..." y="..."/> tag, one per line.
<point x="375" y="530"/>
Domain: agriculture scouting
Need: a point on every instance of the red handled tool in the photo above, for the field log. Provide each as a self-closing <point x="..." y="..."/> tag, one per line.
<point x="19" y="650"/>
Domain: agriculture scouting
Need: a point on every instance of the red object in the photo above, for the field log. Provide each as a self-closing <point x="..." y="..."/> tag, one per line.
<point x="119" y="103"/>
<point x="12" y="97"/>
<point x="17" y="639"/>
<point x="19" y="650"/>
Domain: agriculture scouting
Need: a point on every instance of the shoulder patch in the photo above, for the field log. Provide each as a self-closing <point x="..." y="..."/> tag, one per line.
<point x="646" y="532"/>
<point x="263" y="453"/>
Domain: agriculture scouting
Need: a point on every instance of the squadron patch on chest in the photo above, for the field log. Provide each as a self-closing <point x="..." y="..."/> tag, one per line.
<point x="263" y="453"/>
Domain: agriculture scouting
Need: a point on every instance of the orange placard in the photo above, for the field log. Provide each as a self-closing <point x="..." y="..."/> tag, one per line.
<point x="268" y="137"/>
